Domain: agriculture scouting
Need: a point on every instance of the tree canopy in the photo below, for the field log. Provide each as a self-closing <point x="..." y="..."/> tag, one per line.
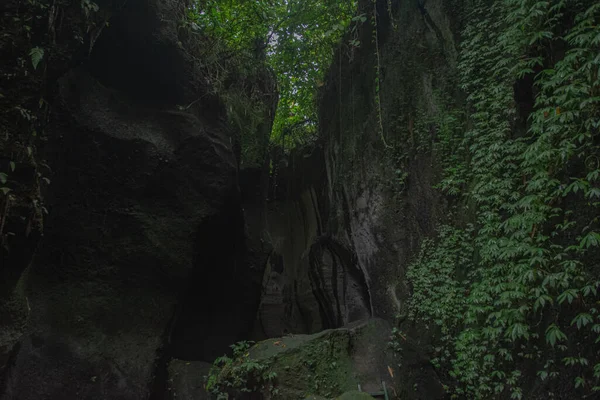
<point x="299" y="39"/>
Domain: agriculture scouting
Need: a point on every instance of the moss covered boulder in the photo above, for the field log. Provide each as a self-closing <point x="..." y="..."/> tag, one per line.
<point x="329" y="363"/>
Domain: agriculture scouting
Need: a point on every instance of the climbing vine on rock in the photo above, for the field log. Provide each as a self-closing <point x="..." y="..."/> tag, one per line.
<point x="531" y="310"/>
<point x="440" y="277"/>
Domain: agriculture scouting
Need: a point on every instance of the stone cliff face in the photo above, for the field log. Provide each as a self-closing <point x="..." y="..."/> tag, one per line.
<point x="348" y="215"/>
<point x="356" y="208"/>
<point x="380" y="176"/>
<point x="380" y="184"/>
<point x="312" y="281"/>
<point x="146" y="252"/>
<point x="375" y="202"/>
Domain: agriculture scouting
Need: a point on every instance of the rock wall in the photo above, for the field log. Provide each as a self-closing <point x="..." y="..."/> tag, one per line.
<point x="146" y="252"/>
<point x="153" y="252"/>
<point x="349" y="214"/>
<point x="380" y="182"/>
<point x="312" y="281"/>
<point x="368" y="192"/>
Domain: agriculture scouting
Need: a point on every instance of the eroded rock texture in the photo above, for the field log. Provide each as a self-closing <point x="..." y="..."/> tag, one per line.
<point x="313" y="281"/>
<point x="145" y="250"/>
<point x="382" y="199"/>
<point x="350" y="204"/>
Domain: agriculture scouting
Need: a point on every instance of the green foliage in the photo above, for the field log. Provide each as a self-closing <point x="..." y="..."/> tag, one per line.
<point x="228" y="54"/>
<point x="451" y="125"/>
<point x="533" y="277"/>
<point x="248" y="115"/>
<point x="36" y="54"/>
<point x="299" y="39"/>
<point x="441" y="277"/>
<point x="239" y="374"/>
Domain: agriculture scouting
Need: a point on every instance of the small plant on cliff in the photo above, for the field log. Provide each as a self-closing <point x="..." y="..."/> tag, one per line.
<point x="230" y="376"/>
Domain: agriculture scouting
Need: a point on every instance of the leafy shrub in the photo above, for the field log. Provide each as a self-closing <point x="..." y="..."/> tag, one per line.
<point x="239" y="374"/>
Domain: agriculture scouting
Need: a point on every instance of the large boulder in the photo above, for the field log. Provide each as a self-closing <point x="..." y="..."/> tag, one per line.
<point x="144" y="254"/>
<point x="132" y="190"/>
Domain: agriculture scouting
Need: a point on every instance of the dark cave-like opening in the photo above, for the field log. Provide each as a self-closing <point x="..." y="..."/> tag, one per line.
<point x="220" y="304"/>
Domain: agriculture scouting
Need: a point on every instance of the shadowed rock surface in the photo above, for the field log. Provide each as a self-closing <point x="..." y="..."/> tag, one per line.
<point x="145" y="245"/>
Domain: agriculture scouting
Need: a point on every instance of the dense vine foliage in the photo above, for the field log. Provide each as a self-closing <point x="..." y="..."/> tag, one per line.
<point x="298" y="38"/>
<point x="531" y="305"/>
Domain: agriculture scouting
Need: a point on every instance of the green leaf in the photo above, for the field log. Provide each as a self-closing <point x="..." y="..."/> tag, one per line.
<point x="569" y="295"/>
<point x="592" y="239"/>
<point x="3" y="178"/>
<point x="554" y="335"/>
<point x="582" y="320"/>
<point x="12" y="166"/>
<point x="517" y="331"/>
<point x="36" y="54"/>
<point x="543" y="375"/>
<point x="541" y="301"/>
<point x="5" y="190"/>
<point x="597" y="371"/>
